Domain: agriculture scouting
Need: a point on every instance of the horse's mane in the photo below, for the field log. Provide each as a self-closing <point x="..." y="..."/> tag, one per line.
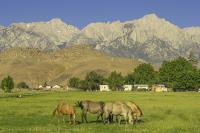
<point x="139" y="109"/>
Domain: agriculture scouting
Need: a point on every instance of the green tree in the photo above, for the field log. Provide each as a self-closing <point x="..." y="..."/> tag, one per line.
<point x="129" y="79"/>
<point x="83" y="84"/>
<point x="145" y="74"/>
<point x="22" y="85"/>
<point x="7" y="84"/>
<point x="74" y="82"/>
<point x="115" y="80"/>
<point x="187" y="80"/>
<point x="93" y="80"/>
<point x="178" y="74"/>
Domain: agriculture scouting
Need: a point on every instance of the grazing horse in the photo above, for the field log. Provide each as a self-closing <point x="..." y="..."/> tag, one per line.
<point x="91" y="107"/>
<point x="65" y="109"/>
<point x="137" y="112"/>
<point x="118" y="109"/>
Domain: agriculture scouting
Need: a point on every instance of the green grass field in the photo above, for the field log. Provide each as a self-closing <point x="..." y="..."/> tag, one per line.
<point x="163" y="112"/>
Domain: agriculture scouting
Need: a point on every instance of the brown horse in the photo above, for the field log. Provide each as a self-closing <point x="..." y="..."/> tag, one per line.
<point x="92" y="107"/>
<point x="65" y="109"/>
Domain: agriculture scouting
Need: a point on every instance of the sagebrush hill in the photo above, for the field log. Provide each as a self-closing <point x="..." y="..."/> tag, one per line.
<point x="36" y="67"/>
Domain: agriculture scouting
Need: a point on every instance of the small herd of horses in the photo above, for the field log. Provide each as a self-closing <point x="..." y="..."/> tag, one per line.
<point x="129" y="111"/>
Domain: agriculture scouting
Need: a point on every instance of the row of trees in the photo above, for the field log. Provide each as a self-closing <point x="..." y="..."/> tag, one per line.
<point x="7" y="84"/>
<point x="180" y="74"/>
<point x="93" y="80"/>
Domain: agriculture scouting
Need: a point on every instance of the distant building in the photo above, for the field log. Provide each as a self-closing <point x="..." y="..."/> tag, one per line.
<point x="40" y="86"/>
<point x="104" y="88"/>
<point x="159" y="88"/>
<point x="128" y="87"/>
<point x="199" y="90"/>
<point x="48" y="87"/>
<point x="141" y="87"/>
<point x="56" y="87"/>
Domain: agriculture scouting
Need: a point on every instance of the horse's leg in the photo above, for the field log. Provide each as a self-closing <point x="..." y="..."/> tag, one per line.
<point x="125" y="115"/>
<point x="85" y="116"/>
<point x="106" y="118"/>
<point x="82" y="116"/>
<point x="135" y="120"/>
<point x="126" y="120"/>
<point x="74" y="118"/>
<point x="98" y="115"/>
<point x="101" y="116"/>
<point x="63" y="118"/>
<point x="70" y="119"/>
<point x="110" y="117"/>
<point x="116" y="118"/>
<point x="59" y="117"/>
<point x="130" y="119"/>
<point x="119" y="119"/>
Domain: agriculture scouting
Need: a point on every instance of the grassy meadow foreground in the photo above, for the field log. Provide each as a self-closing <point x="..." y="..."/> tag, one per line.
<point x="163" y="112"/>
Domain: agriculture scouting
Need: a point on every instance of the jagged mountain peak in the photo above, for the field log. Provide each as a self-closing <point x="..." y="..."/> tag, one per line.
<point x="60" y="22"/>
<point x="56" y="20"/>
<point x="153" y="19"/>
<point x="151" y="16"/>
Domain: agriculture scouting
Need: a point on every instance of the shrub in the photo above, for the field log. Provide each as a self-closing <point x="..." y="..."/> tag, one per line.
<point x="7" y="84"/>
<point x="22" y="85"/>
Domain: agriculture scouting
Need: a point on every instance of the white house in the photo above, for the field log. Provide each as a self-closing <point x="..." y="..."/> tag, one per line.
<point x="127" y="87"/>
<point x="56" y="87"/>
<point x="199" y="90"/>
<point x="141" y="87"/>
<point x="48" y="87"/>
<point x="40" y="86"/>
<point x="104" y="88"/>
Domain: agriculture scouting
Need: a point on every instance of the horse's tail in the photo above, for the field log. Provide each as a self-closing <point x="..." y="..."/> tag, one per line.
<point x="54" y="111"/>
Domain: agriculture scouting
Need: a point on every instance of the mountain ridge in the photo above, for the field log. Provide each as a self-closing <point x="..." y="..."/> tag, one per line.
<point x="150" y="38"/>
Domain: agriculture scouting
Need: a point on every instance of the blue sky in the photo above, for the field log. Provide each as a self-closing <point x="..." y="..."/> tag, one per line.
<point x="79" y="13"/>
